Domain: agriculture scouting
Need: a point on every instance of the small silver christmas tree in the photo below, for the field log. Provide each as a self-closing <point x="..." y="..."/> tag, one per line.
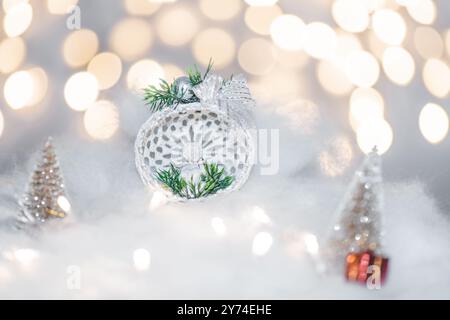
<point x="45" y="198"/>
<point x="357" y="235"/>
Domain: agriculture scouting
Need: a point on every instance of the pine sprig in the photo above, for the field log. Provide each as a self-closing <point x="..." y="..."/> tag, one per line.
<point x="212" y="180"/>
<point x="169" y="94"/>
<point x="195" y="76"/>
<point x="166" y="95"/>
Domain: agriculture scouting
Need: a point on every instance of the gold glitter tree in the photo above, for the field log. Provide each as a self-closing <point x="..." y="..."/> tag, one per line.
<point x="356" y="239"/>
<point x="45" y="198"/>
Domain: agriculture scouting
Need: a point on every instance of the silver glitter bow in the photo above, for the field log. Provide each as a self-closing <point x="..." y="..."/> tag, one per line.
<point x="215" y="91"/>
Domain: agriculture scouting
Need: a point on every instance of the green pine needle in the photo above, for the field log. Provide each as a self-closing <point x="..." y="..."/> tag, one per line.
<point x="158" y="98"/>
<point x="212" y="180"/>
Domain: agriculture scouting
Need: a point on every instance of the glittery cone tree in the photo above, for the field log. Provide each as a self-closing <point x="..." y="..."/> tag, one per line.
<point x="355" y="241"/>
<point x="45" y="198"/>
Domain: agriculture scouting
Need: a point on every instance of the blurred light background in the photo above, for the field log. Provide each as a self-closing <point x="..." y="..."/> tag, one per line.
<point x="375" y="71"/>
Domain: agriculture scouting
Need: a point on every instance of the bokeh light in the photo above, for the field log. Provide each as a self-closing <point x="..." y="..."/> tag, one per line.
<point x="215" y="43"/>
<point x="259" y="215"/>
<point x="320" y="40"/>
<point x="64" y="204"/>
<point x="288" y="32"/>
<point x="60" y="6"/>
<point x="447" y="41"/>
<point x="219" y="226"/>
<point x="101" y="120"/>
<point x="12" y="54"/>
<point x="436" y="76"/>
<point x="351" y="15"/>
<point x="428" y="42"/>
<point x="81" y="91"/>
<point x="169" y="29"/>
<point x="141" y="7"/>
<point x="143" y="74"/>
<point x="18" y="89"/>
<point x="259" y="19"/>
<point x="171" y="72"/>
<point x="256" y="56"/>
<point x="261" y="2"/>
<point x="107" y="68"/>
<point x="422" y="11"/>
<point x="346" y="43"/>
<point x="262" y="243"/>
<point x="291" y="59"/>
<point x="17" y="19"/>
<point x="158" y="200"/>
<point x="141" y="259"/>
<point x="220" y="10"/>
<point x="366" y="104"/>
<point x="333" y="78"/>
<point x="389" y="26"/>
<point x="433" y="123"/>
<point x="337" y="157"/>
<point x="377" y="132"/>
<point x="398" y="65"/>
<point x="131" y="38"/>
<point x="40" y="85"/>
<point x="79" y="47"/>
<point x="9" y="4"/>
<point x="362" y="68"/>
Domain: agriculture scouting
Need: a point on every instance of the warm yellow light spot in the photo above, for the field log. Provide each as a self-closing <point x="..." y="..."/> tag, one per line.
<point x="141" y="7"/>
<point x="398" y="64"/>
<point x="447" y="41"/>
<point x="169" y="29"/>
<point x="2" y="123"/>
<point x="81" y="91"/>
<point x="60" y="6"/>
<point x="40" y="85"/>
<point x="141" y="259"/>
<point x="301" y="115"/>
<point x="215" y="43"/>
<point x="220" y="10"/>
<point x="362" y="68"/>
<point x="107" y="68"/>
<point x="376" y="46"/>
<point x="262" y="243"/>
<point x="366" y="104"/>
<point x="12" y="54"/>
<point x="284" y="86"/>
<point x="288" y="32"/>
<point x="259" y="19"/>
<point x="9" y="4"/>
<point x="333" y="78"/>
<point x="428" y="42"/>
<point x="422" y="11"/>
<point x="320" y="40"/>
<point x="433" y="123"/>
<point x="337" y="157"/>
<point x="18" y="19"/>
<point x="291" y="59"/>
<point x="346" y="43"/>
<point x="261" y="2"/>
<point x="351" y="15"/>
<point x="256" y="56"/>
<point x="18" y="89"/>
<point x="143" y="74"/>
<point x="101" y="120"/>
<point x="219" y="226"/>
<point x="389" y="26"/>
<point x="64" y="204"/>
<point x="436" y="76"/>
<point x="79" y="47"/>
<point x="131" y="38"/>
<point x="172" y="72"/>
<point x="373" y="133"/>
